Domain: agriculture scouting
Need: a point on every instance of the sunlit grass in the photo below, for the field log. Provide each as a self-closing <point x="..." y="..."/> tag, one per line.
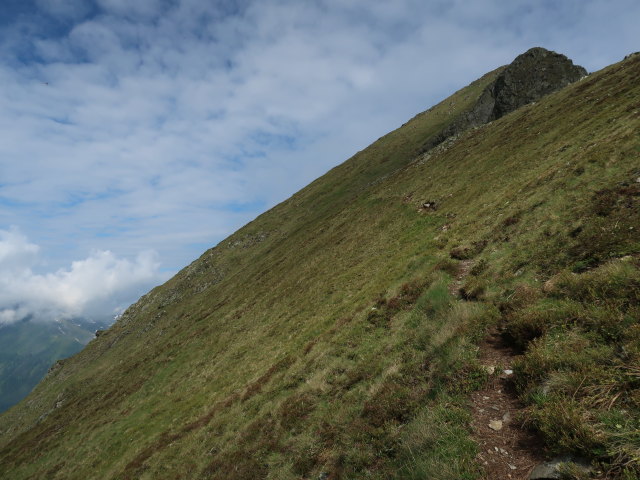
<point x="321" y="340"/>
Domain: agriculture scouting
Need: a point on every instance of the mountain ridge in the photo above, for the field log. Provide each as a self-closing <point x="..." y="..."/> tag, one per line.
<point x="361" y="341"/>
<point x="532" y="75"/>
<point x="30" y="346"/>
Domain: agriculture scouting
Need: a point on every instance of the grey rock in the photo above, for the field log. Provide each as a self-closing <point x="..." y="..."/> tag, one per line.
<point x="551" y="470"/>
<point x="531" y="76"/>
<point x="495" y="425"/>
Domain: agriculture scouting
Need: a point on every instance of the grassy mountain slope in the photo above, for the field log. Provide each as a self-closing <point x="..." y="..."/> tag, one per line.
<point x="322" y="340"/>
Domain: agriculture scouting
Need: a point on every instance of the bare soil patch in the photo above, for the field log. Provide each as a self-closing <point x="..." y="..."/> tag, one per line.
<point x="507" y="451"/>
<point x="463" y="270"/>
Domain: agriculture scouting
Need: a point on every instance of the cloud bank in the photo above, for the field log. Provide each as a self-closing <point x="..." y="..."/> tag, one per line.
<point x="98" y="287"/>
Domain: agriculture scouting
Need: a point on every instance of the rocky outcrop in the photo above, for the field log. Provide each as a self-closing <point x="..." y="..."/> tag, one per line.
<point x="531" y="76"/>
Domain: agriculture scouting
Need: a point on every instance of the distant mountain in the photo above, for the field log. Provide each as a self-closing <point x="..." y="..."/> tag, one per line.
<point x="30" y="347"/>
<point x="337" y="336"/>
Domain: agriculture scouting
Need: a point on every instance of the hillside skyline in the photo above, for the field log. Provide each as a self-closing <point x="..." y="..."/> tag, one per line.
<point x="471" y="277"/>
<point x="136" y="136"/>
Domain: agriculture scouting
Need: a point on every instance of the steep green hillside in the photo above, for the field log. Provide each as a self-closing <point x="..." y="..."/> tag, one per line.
<point x="322" y="340"/>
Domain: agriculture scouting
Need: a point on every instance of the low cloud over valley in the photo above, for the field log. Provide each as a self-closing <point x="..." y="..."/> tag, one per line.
<point x="98" y="287"/>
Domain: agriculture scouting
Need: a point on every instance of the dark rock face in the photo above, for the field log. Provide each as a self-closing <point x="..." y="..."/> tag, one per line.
<point x="531" y="76"/>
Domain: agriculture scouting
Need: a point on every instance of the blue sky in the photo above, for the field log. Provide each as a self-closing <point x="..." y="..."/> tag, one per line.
<point x="134" y="135"/>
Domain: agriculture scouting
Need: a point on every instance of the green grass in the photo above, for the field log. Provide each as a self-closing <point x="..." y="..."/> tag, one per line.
<point x="321" y="339"/>
<point x="580" y="374"/>
<point x="436" y="443"/>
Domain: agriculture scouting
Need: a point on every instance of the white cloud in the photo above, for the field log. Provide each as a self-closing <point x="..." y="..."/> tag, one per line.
<point x="97" y="287"/>
<point x="16" y="252"/>
<point x="97" y="39"/>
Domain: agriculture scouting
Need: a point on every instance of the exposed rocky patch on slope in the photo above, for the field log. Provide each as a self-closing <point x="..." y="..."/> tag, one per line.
<point x="531" y="76"/>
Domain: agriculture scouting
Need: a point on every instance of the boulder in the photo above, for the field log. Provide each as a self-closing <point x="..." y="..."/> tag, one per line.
<point x="552" y="469"/>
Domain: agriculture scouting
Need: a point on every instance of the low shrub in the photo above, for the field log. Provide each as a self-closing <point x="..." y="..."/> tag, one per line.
<point x="447" y="265"/>
<point x="436" y="298"/>
<point x="393" y="402"/>
<point x="465" y="252"/>
<point x="479" y="267"/>
<point x="580" y="373"/>
<point x="567" y="427"/>
<point x="616" y="284"/>
<point x="296" y="409"/>
<point x="473" y="289"/>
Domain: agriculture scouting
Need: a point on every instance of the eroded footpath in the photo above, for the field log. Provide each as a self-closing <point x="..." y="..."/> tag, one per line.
<point x="506" y="450"/>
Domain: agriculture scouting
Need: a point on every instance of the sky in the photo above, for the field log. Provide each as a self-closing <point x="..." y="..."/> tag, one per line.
<point x="136" y="135"/>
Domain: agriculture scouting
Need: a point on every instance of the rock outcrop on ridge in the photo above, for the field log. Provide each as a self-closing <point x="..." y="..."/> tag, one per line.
<point x="532" y="75"/>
